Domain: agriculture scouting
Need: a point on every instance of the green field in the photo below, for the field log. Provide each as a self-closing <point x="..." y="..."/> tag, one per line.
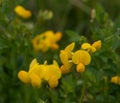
<point x="59" y="51"/>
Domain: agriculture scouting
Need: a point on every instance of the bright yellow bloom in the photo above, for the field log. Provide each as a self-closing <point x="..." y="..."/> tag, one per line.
<point x="41" y="43"/>
<point x="33" y="75"/>
<point x="97" y="44"/>
<point x="88" y="47"/>
<point x="21" y="11"/>
<point x="81" y="56"/>
<point x="65" y="56"/>
<point x="51" y="74"/>
<point x="91" y="48"/>
<point x="46" y="40"/>
<point x="40" y="72"/>
<point x="116" y="80"/>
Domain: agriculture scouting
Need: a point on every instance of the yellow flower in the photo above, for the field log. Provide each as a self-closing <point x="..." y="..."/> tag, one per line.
<point x="21" y="11"/>
<point x="116" y="80"/>
<point x="97" y="44"/>
<point x="86" y="46"/>
<point x="52" y="74"/>
<point x="46" y="40"/>
<point x="81" y="56"/>
<point x="53" y="38"/>
<point x="51" y="70"/>
<point x="41" y="72"/>
<point x="40" y="43"/>
<point x="33" y="75"/>
<point x="65" y="56"/>
<point x="91" y="48"/>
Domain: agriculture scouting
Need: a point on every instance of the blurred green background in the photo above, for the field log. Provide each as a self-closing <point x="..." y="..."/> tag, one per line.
<point x="79" y="21"/>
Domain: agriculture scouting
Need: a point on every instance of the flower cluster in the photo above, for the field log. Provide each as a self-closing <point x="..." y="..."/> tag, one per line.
<point x="80" y="57"/>
<point x="22" y="12"/>
<point x="91" y="48"/>
<point x="46" y="40"/>
<point x="38" y="73"/>
<point x="115" y="79"/>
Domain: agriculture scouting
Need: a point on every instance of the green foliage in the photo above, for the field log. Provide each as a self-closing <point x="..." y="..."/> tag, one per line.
<point x="16" y="51"/>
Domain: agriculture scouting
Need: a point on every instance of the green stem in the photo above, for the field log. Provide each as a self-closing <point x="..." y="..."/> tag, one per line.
<point x="83" y="92"/>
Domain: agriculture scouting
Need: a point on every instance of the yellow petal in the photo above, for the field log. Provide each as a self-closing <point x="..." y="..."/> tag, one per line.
<point x="115" y="79"/>
<point x="49" y="34"/>
<point x="53" y="70"/>
<point x="36" y="42"/>
<point x="35" y="80"/>
<point x="41" y="71"/>
<point x="55" y="63"/>
<point x="21" y="11"/>
<point x="53" y="82"/>
<point x="44" y="41"/>
<point x="69" y="49"/>
<point x="54" y="46"/>
<point x="80" y="68"/>
<point x="86" y="46"/>
<point x="97" y="44"/>
<point x="81" y="56"/>
<point x="93" y="49"/>
<point x="46" y="74"/>
<point x="64" y="57"/>
<point x="58" y="36"/>
<point x="34" y="64"/>
<point x="23" y="76"/>
<point x="66" y="68"/>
